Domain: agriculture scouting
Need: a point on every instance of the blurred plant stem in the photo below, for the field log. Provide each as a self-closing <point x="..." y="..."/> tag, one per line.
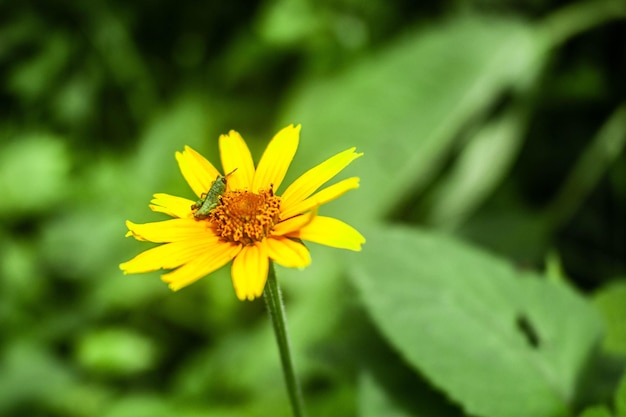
<point x="276" y="310"/>
<point x="580" y="17"/>
<point x="596" y="159"/>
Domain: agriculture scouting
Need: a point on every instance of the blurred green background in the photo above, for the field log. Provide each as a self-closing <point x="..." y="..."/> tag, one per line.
<point x="498" y="123"/>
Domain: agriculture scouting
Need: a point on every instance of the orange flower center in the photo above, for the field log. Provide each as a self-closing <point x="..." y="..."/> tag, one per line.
<point x="245" y="217"/>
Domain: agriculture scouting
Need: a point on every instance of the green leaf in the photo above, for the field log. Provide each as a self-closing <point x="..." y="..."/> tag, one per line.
<point x="481" y="166"/>
<point x="34" y="171"/>
<point x="611" y="301"/>
<point x="498" y="342"/>
<point x="183" y="123"/>
<point x="387" y="387"/>
<point x="620" y="398"/>
<point x="287" y="22"/>
<point x="374" y="401"/>
<point x="31" y="374"/>
<point x="601" y="152"/>
<point x="597" y="411"/>
<point x="30" y="79"/>
<point x="116" y="351"/>
<point x="404" y="105"/>
<point x="619" y="401"/>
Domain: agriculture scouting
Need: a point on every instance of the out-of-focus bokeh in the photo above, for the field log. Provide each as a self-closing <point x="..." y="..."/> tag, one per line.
<point x="498" y="123"/>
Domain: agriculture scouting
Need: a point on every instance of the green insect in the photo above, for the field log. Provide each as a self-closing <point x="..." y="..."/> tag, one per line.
<point x="211" y="198"/>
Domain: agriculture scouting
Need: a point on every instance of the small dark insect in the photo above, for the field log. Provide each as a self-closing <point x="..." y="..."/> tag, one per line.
<point x="211" y="198"/>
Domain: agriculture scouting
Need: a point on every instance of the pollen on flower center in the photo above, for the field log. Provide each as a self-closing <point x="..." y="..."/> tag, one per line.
<point x="246" y="217"/>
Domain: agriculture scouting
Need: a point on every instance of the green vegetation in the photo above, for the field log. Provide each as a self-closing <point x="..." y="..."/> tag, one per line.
<point x="493" y="200"/>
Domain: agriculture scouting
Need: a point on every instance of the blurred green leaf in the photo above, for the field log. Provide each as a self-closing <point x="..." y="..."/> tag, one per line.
<point x="603" y="149"/>
<point x="140" y="406"/>
<point x="576" y="17"/>
<point x="404" y="105"/>
<point x="482" y="164"/>
<point x="611" y="301"/>
<point x="288" y="22"/>
<point x="89" y="232"/>
<point x="392" y="390"/>
<point x="620" y="398"/>
<point x="619" y="404"/>
<point x="185" y="122"/>
<point x="33" y="173"/>
<point x="375" y="402"/>
<point x="75" y="99"/>
<point x="30" y="374"/>
<point x="82" y="399"/>
<point x="20" y="275"/>
<point x="597" y="411"/>
<point x="116" y="351"/>
<point x="387" y="385"/>
<point x="33" y="77"/>
<point x="498" y="342"/>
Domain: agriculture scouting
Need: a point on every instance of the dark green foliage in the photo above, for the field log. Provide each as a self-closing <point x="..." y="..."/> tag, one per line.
<point x="501" y="124"/>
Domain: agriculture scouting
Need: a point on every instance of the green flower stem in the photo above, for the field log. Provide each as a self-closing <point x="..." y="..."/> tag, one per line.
<point x="276" y="310"/>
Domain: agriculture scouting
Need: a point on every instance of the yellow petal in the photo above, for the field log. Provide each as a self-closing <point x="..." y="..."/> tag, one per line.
<point x="249" y="271"/>
<point x="216" y="257"/>
<point x="235" y="155"/>
<point x="276" y="159"/>
<point x="317" y="176"/>
<point x="331" y="232"/>
<point x="169" y="255"/>
<point x="173" y="230"/>
<point x="293" y="224"/>
<point x="198" y="172"/>
<point x="321" y="197"/>
<point x="288" y="252"/>
<point x="171" y="205"/>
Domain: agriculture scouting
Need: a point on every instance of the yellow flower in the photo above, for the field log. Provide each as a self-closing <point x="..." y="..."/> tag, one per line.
<point x="250" y="224"/>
